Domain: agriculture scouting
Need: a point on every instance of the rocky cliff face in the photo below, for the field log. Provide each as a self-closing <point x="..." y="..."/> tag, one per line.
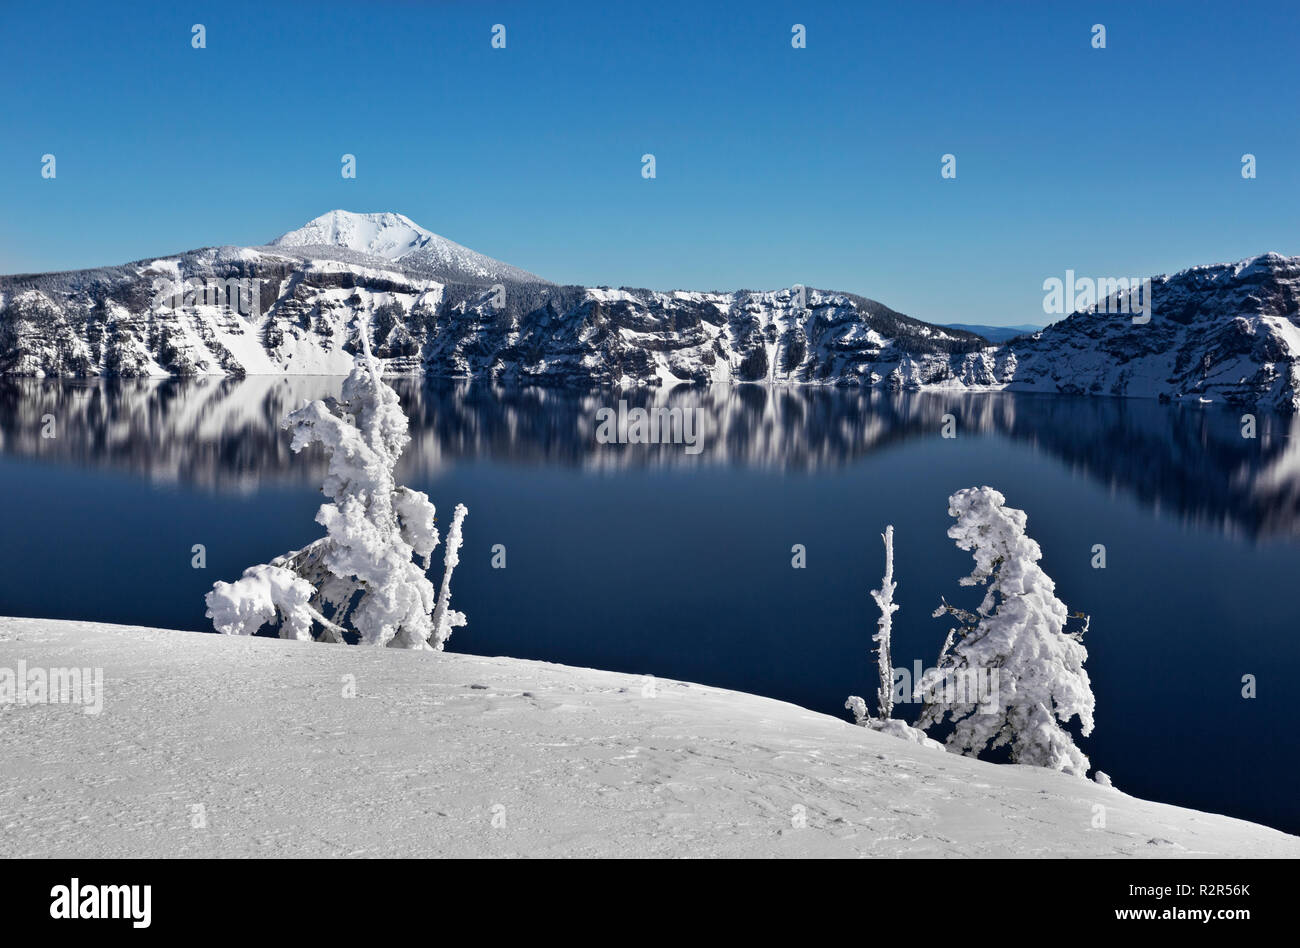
<point x="1223" y="333"/>
<point x="291" y="310"/>
<point x="1227" y="332"/>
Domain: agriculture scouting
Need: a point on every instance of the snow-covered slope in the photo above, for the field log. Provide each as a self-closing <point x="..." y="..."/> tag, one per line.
<point x="125" y="322"/>
<point x="1225" y="332"/>
<point x="387" y="235"/>
<point x="396" y="237"/>
<point x="455" y="755"/>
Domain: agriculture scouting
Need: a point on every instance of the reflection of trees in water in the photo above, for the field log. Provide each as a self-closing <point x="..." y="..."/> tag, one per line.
<point x="225" y="433"/>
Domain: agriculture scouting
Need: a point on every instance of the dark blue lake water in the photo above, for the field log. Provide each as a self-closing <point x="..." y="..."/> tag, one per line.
<point x="650" y="560"/>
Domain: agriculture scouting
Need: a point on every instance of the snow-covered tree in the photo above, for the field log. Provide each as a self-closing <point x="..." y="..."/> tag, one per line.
<point x="1015" y="640"/>
<point x="362" y="572"/>
<point x="884" y="722"/>
<point x="884" y="597"/>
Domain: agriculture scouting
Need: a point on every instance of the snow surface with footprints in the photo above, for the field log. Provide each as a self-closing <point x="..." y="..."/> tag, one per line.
<point x="444" y="754"/>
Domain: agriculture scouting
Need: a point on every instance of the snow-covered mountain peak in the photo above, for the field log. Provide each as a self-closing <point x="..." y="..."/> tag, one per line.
<point x="388" y="235"/>
<point x="397" y="238"/>
<point x="1265" y="262"/>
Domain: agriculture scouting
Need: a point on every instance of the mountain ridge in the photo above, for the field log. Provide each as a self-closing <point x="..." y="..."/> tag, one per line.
<point x="1226" y="332"/>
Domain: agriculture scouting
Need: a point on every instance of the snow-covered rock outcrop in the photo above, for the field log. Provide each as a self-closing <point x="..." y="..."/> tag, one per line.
<point x="439" y="754"/>
<point x="1226" y="332"/>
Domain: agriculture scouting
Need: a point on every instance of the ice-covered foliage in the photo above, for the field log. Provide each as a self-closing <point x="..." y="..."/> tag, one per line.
<point x="244" y="606"/>
<point x="905" y="732"/>
<point x="891" y="726"/>
<point x="1017" y="637"/>
<point x="884" y="722"/>
<point x="884" y="597"/>
<point x="362" y="572"/>
<point x="861" y="716"/>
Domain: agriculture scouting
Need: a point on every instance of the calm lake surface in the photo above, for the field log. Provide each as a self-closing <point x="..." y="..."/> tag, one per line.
<point x="651" y="560"/>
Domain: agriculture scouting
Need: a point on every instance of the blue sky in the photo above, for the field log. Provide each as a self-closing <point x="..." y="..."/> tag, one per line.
<point x="775" y="165"/>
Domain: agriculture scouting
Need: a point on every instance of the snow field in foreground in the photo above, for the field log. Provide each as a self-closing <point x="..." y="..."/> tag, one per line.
<point x="227" y="746"/>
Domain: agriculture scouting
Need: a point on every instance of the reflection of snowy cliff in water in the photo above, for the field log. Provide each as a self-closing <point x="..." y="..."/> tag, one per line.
<point x="225" y="433"/>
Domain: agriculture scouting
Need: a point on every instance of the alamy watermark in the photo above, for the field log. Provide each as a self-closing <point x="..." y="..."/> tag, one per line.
<point x="662" y="425"/>
<point x="38" y="685"/>
<point x="977" y="685"/>
<point x="237" y="294"/>
<point x="77" y="900"/>
<point x="1112" y="295"/>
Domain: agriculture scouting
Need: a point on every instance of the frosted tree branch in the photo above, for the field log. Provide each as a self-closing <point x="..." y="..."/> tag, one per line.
<point x="884" y="597"/>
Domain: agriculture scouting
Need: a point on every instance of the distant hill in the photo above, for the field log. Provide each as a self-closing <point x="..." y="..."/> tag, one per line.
<point x="995" y="333"/>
